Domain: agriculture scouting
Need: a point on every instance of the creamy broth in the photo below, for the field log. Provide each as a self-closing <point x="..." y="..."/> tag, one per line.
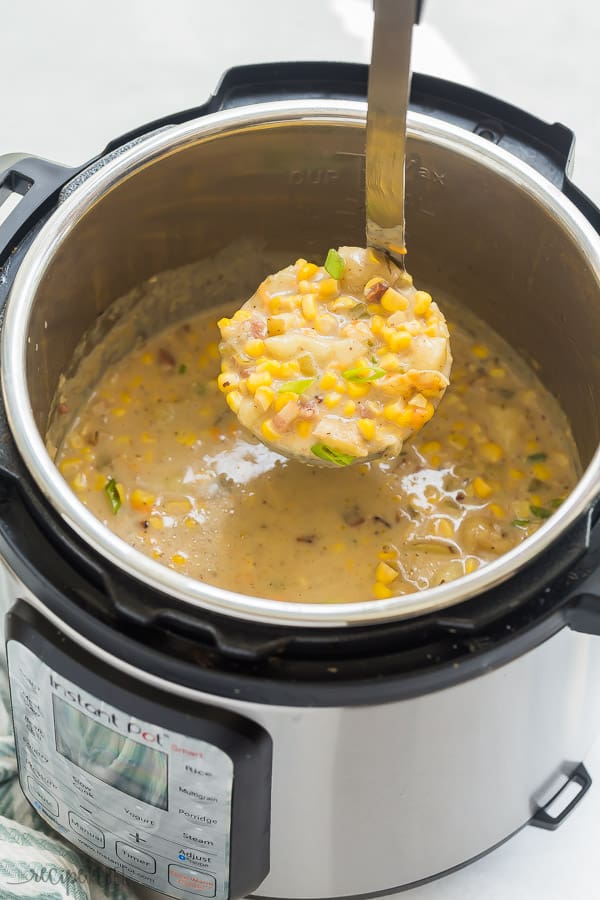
<point x="158" y="457"/>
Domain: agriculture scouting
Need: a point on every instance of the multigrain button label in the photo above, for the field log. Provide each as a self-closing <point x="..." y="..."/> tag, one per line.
<point x="200" y="796"/>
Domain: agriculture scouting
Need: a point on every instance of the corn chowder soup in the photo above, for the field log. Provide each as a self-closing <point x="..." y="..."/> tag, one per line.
<point x="337" y="363"/>
<point x="156" y="454"/>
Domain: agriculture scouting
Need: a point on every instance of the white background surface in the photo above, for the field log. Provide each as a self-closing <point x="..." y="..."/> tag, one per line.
<point x="75" y="74"/>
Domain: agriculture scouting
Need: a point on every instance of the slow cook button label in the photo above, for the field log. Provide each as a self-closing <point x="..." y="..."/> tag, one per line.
<point x="87" y="830"/>
<point x="193" y="881"/>
<point x="136" y="858"/>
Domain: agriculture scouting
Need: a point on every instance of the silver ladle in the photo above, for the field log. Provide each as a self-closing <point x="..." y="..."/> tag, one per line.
<point x="389" y="86"/>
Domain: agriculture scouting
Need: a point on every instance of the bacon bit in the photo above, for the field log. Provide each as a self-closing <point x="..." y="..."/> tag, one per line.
<point x="63" y="408"/>
<point x="166" y="358"/>
<point x="353" y="516"/>
<point x="306" y="538"/>
<point x="366" y="410"/>
<point x="375" y="293"/>
<point x="286" y="416"/>
<point x="307" y="408"/>
<point x="258" y="329"/>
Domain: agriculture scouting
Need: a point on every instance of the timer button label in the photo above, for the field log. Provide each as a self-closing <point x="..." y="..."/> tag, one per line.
<point x="136" y="858"/>
<point x="192" y="881"/>
<point x="87" y="830"/>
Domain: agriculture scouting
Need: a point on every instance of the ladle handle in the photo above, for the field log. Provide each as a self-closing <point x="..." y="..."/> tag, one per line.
<point x="389" y="86"/>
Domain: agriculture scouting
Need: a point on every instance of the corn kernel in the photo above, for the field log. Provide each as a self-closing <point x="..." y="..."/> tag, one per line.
<point x="329" y="380"/>
<point x="69" y="466"/>
<point x="180" y="507"/>
<point x="435" y="461"/>
<point x="147" y="438"/>
<point x="459" y="441"/>
<point x="521" y="509"/>
<point x="258" y="379"/>
<point x="389" y="362"/>
<point x="186" y="438"/>
<point x="431" y="447"/>
<point x="356" y="391"/>
<point x="480" y="351"/>
<point x="375" y="309"/>
<point x="156" y="522"/>
<point x="386" y="574"/>
<point x="269" y="431"/>
<point x="481" y="487"/>
<point x="392" y="301"/>
<point x="381" y="591"/>
<point x="303" y="428"/>
<point x="422" y="302"/>
<point x="387" y="555"/>
<point x="394" y="410"/>
<point x="432" y="330"/>
<point x="142" y="500"/>
<point x="305" y="287"/>
<point x="516" y="474"/>
<point x="377" y="324"/>
<point x="309" y="307"/>
<point x="119" y="411"/>
<point x="541" y="471"/>
<point x="234" y="401"/>
<point x="289" y="369"/>
<point x="444" y="528"/>
<point x="227" y="381"/>
<point x="471" y="564"/>
<point x="179" y="559"/>
<point x="492" y="452"/>
<point x="282" y="400"/>
<point x="343" y="302"/>
<point x="496" y="510"/>
<point x="328" y="287"/>
<point x="99" y="482"/>
<point x="79" y="483"/>
<point x="254" y="348"/>
<point x="349" y="408"/>
<point x="264" y="396"/>
<point x="332" y="399"/>
<point x="190" y="522"/>
<point x="156" y="553"/>
<point x="532" y="446"/>
<point x="307" y="271"/>
<point x="497" y="372"/>
<point x="535" y="500"/>
<point x="366" y="428"/>
<point x="397" y="340"/>
<point x="148" y="358"/>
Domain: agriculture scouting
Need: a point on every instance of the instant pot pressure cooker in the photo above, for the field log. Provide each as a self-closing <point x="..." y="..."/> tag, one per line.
<point x="209" y="744"/>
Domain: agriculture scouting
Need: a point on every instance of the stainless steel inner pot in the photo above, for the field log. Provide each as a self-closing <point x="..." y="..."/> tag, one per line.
<point x="481" y="226"/>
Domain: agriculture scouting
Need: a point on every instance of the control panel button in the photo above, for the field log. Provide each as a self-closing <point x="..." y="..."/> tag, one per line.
<point x="139" y="815"/>
<point x="86" y="829"/>
<point x="136" y="858"/>
<point x="193" y="881"/>
<point x="43" y="796"/>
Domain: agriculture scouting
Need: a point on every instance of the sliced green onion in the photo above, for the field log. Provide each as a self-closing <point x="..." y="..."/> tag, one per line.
<point x="112" y="492"/>
<point x="364" y="375"/>
<point x="295" y="387"/>
<point x="537" y="457"/>
<point x="520" y="523"/>
<point x="558" y="501"/>
<point x="182" y="369"/>
<point x="541" y="512"/>
<point x="334" y="456"/>
<point x="334" y="264"/>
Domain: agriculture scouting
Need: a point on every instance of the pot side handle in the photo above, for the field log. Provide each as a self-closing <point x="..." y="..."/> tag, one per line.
<point x="38" y="182"/>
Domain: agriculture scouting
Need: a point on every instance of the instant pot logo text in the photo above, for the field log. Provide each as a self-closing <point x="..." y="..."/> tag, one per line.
<point x="107" y="717"/>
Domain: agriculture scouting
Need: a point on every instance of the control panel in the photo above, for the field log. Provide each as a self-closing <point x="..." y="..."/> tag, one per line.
<point x="150" y="803"/>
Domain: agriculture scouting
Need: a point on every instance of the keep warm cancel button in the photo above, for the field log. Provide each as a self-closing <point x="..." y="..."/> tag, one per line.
<point x="192" y="880"/>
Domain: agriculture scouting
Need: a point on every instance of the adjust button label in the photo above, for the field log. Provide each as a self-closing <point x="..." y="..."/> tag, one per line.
<point x="199" y="883"/>
<point x="136" y="858"/>
<point x="86" y="829"/>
